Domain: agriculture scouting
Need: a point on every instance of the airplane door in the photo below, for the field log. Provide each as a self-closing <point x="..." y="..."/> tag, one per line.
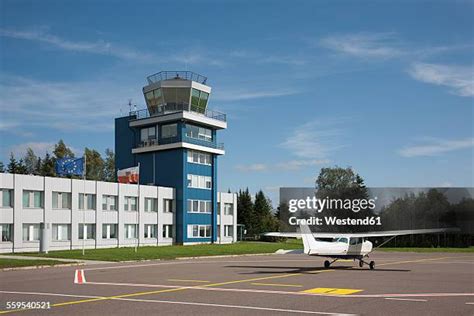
<point x="355" y="246"/>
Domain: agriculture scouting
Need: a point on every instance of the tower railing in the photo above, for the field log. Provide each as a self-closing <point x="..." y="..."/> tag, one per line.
<point x="179" y="74"/>
<point x="171" y="108"/>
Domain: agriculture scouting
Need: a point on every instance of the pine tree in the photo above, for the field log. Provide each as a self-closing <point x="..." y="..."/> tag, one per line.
<point x="48" y="166"/>
<point x="31" y="161"/>
<point x="38" y="166"/>
<point x="94" y="165"/>
<point x="2" y="167"/>
<point x="245" y="214"/>
<point x="21" y="168"/>
<point x="109" y="173"/>
<point x="61" y="150"/>
<point x="264" y="219"/>
<point x="12" y="165"/>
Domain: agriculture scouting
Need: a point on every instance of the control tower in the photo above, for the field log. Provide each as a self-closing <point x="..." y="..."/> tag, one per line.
<point x="175" y="142"/>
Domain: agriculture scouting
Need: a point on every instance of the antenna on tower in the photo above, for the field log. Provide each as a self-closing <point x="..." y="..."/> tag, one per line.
<point x="130" y="105"/>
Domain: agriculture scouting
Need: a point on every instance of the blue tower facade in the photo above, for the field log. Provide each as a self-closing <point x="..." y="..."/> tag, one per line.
<point x="175" y="142"/>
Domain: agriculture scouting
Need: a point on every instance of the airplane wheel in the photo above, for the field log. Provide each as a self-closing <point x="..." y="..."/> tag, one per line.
<point x="361" y="264"/>
<point x="372" y="265"/>
<point x="327" y="264"/>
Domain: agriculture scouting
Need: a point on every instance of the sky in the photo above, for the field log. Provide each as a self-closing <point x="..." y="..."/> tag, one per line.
<point x="384" y="87"/>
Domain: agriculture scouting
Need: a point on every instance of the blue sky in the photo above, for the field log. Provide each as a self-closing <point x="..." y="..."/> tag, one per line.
<point x="384" y="87"/>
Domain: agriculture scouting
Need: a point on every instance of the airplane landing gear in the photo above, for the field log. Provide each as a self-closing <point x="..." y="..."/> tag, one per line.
<point x="372" y="265"/>
<point x="327" y="264"/>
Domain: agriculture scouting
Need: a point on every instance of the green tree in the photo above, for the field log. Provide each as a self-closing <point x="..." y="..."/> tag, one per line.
<point x="343" y="184"/>
<point x="31" y="161"/>
<point x="94" y="165"/>
<point x="12" y="164"/>
<point x="245" y="214"/>
<point x="265" y="221"/>
<point x="21" y="167"/>
<point x="109" y="166"/>
<point x="61" y="150"/>
<point x="48" y="166"/>
<point x="2" y="167"/>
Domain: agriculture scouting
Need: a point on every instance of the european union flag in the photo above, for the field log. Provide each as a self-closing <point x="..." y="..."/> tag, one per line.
<point x="70" y="166"/>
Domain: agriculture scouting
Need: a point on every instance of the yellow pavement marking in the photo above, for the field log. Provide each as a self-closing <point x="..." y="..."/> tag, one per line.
<point x="183" y="280"/>
<point x="330" y="291"/>
<point x="277" y="284"/>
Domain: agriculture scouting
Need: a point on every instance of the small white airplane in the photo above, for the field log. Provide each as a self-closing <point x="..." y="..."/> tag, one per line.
<point x="348" y="246"/>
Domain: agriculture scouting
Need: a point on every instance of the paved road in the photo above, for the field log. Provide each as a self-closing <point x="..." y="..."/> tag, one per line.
<point x="401" y="284"/>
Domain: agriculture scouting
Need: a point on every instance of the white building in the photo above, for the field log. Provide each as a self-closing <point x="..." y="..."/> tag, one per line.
<point x="106" y="214"/>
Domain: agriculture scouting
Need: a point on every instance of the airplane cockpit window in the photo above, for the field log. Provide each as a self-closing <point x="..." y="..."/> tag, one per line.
<point x="355" y="241"/>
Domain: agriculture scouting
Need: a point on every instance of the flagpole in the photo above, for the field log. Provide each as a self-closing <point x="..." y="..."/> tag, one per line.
<point x="138" y="211"/>
<point x="84" y="205"/>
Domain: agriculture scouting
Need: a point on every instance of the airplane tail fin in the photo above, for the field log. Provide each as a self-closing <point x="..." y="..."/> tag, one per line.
<point x="309" y="242"/>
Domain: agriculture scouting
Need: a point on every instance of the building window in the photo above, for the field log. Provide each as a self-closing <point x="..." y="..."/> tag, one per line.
<point x="228" y="230"/>
<point x="199" y="182"/>
<point x="61" y="200"/>
<point x="148" y="133"/>
<point x="167" y="206"/>
<point x="87" y="230"/>
<point x="197" y="132"/>
<point x="167" y="231"/>
<point x="131" y="231"/>
<point x="199" y="157"/>
<point x="61" y="232"/>
<point x="31" y="232"/>
<point x="218" y="208"/>
<point x="131" y="203"/>
<point x="109" y="231"/>
<point x="151" y="205"/>
<point x="199" y="231"/>
<point x="7" y="232"/>
<point x="88" y="199"/>
<point x="169" y="130"/>
<point x="32" y="199"/>
<point x="151" y="231"/>
<point x="228" y="209"/>
<point x="7" y="200"/>
<point x="109" y="202"/>
<point x="153" y="99"/>
<point x="199" y="101"/>
<point x="199" y="206"/>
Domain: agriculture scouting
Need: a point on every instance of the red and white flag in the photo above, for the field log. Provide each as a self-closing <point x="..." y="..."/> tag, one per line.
<point x="129" y="175"/>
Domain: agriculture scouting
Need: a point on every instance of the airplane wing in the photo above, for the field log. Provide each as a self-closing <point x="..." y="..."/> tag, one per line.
<point x="388" y="233"/>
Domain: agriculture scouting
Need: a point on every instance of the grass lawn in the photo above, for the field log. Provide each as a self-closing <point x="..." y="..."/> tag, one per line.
<point x="170" y="252"/>
<point x="13" y="263"/>
<point x="469" y="249"/>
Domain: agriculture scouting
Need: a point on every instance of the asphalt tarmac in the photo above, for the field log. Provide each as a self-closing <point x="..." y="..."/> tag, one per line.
<point x="401" y="284"/>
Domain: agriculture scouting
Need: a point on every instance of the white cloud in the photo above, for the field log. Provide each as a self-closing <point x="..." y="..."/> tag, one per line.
<point x="257" y="167"/>
<point x="290" y="165"/>
<point x="315" y="140"/>
<point x="40" y="148"/>
<point x="64" y="106"/>
<point x="299" y="164"/>
<point x="436" y="147"/>
<point x="98" y="47"/>
<point x="460" y="80"/>
<point x="364" y="45"/>
<point x="237" y="95"/>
